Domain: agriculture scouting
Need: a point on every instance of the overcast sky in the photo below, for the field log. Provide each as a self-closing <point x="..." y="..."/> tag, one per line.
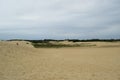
<point x="59" y="19"/>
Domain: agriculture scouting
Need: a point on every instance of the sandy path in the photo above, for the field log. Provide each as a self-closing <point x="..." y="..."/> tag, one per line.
<point x="59" y="64"/>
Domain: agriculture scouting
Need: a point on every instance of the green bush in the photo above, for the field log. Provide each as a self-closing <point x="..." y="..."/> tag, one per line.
<point x="50" y="45"/>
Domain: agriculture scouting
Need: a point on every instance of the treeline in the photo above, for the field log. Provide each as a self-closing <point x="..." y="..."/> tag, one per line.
<point x="94" y="40"/>
<point x="73" y="40"/>
<point x="43" y="41"/>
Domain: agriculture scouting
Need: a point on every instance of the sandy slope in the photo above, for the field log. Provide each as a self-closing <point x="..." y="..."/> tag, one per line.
<point x="23" y="62"/>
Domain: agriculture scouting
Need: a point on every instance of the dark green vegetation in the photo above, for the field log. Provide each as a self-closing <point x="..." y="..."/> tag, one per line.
<point x="46" y="42"/>
<point x="73" y="40"/>
<point x="50" y="45"/>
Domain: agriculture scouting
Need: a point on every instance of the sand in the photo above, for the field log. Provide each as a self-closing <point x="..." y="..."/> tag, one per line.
<point x="24" y="62"/>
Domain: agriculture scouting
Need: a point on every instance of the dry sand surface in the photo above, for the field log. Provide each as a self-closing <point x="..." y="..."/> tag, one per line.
<point x="24" y="62"/>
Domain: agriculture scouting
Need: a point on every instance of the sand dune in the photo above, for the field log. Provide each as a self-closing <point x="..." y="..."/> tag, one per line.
<point x="24" y="62"/>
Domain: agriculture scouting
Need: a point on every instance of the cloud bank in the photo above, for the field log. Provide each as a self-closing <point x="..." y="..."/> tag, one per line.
<point x="59" y="19"/>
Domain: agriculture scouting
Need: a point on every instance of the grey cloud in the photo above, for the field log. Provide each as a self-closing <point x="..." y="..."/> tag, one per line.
<point x="59" y="19"/>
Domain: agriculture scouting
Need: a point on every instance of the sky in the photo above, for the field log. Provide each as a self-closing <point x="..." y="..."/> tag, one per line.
<point x="59" y="19"/>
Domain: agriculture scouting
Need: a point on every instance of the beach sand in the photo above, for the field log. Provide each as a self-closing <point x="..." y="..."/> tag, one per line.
<point x="24" y="62"/>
